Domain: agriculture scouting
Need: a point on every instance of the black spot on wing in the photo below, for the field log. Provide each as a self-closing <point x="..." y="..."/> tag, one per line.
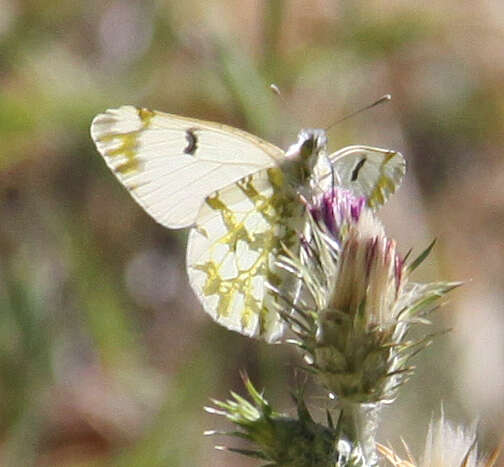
<point x="357" y="168"/>
<point x="192" y="141"/>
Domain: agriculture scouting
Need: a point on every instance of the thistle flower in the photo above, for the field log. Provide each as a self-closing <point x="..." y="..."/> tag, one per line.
<point x="446" y="445"/>
<point x="357" y="303"/>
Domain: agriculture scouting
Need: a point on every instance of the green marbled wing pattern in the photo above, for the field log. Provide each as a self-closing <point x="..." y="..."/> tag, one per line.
<point x="232" y="252"/>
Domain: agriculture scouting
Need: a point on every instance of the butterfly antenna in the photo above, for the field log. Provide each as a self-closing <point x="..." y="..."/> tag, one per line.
<point x="276" y="90"/>
<point x="381" y="100"/>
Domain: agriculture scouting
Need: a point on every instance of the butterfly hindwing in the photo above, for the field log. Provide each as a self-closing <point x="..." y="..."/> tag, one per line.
<point x="370" y="172"/>
<point x="170" y="164"/>
<point x="232" y="252"/>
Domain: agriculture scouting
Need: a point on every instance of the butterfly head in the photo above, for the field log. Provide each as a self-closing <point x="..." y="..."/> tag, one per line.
<point x="310" y="142"/>
<point x="303" y="157"/>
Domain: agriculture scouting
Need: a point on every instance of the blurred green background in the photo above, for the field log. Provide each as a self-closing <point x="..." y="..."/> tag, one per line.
<point x="105" y="355"/>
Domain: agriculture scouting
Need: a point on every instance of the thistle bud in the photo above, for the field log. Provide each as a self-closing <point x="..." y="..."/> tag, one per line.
<point x="275" y="437"/>
<point x="357" y="303"/>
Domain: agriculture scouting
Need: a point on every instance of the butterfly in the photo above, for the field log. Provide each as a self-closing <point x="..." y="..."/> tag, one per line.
<point x="239" y="195"/>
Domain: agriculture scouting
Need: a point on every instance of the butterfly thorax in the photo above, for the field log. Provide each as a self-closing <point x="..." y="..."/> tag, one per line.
<point x="302" y="158"/>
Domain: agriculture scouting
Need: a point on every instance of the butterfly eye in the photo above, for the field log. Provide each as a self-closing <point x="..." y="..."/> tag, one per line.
<point x="307" y="147"/>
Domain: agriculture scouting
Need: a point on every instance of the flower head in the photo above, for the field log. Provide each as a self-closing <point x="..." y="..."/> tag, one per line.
<point x="357" y="302"/>
<point x="446" y="445"/>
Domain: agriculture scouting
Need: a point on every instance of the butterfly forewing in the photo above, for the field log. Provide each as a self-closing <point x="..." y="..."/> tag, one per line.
<point x="233" y="250"/>
<point x="170" y="164"/>
<point x="370" y="172"/>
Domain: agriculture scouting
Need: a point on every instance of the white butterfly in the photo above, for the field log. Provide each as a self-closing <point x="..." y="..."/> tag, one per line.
<point x="240" y="196"/>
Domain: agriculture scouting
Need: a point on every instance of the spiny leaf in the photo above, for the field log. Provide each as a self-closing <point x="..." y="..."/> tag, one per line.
<point x="420" y="259"/>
